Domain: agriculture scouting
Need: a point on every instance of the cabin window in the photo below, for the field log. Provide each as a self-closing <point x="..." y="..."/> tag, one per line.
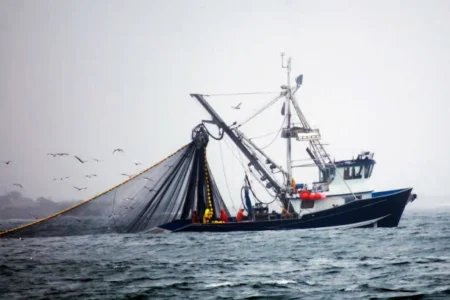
<point x="347" y="173"/>
<point x="368" y="170"/>
<point x="358" y="172"/>
<point x="354" y="172"/>
<point x="307" y="204"/>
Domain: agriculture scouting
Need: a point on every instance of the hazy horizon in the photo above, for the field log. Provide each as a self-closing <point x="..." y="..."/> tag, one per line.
<point x="87" y="77"/>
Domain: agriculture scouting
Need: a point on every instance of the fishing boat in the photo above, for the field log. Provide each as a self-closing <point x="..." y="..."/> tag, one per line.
<point x="179" y="194"/>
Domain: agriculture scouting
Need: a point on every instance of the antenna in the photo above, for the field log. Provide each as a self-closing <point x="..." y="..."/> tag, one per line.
<point x="288" y="65"/>
<point x="288" y="121"/>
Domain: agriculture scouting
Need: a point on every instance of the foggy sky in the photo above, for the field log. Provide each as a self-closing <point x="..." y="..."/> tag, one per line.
<point x="86" y="77"/>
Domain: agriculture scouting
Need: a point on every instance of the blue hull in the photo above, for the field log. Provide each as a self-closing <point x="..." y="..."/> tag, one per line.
<point x="384" y="209"/>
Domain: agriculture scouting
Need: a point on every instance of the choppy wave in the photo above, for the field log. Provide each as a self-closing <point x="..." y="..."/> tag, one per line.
<point x="409" y="261"/>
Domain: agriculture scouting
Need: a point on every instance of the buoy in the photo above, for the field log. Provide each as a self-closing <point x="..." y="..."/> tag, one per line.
<point x="305" y="195"/>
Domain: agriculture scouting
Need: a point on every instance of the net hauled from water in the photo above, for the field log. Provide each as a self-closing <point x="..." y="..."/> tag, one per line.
<point x="165" y="192"/>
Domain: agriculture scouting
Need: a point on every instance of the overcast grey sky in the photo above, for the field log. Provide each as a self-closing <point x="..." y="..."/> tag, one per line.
<point x="85" y="77"/>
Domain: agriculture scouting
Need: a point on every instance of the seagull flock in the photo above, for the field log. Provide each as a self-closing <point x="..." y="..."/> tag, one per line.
<point x="82" y="161"/>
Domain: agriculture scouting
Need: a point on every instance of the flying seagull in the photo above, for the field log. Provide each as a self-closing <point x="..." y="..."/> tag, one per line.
<point x="18" y="184"/>
<point x="80" y="188"/>
<point x="94" y="175"/>
<point x="129" y="176"/>
<point x="130" y="198"/>
<point x="88" y="176"/>
<point x="146" y="178"/>
<point x="237" y="106"/>
<point x="62" y="154"/>
<point x="80" y="160"/>
<point x="137" y="163"/>
<point x="52" y="154"/>
<point x="96" y="160"/>
<point x="118" y="150"/>
<point x="7" y="162"/>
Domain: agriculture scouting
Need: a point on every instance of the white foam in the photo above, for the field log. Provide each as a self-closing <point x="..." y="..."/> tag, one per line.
<point x="219" y="284"/>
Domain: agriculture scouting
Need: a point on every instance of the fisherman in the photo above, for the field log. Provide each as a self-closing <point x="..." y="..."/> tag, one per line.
<point x="223" y="215"/>
<point x="207" y="216"/>
<point x="284" y="212"/>
<point x="240" y="215"/>
<point x="194" y="216"/>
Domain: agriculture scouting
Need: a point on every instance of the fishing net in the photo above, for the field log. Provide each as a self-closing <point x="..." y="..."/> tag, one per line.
<point x="166" y="192"/>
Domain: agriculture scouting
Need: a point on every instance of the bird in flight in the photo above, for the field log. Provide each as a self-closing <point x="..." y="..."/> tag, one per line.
<point x="129" y="176"/>
<point x="130" y="198"/>
<point x="18" y="184"/>
<point x="88" y="176"/>
<point x="96" y="160"/>
<point x="94" y="175"/>
<point x="84" y="188"/>
<point x="62" y="154"/>
<point x="52" y="154"/>
<point x="237" y="106"/>
<point x="118" y="150"/>
<point x="7" y="162"/>
<point x="80" y="160"/>
<point x="137" y="163"/>
<point x="146" y="178"/>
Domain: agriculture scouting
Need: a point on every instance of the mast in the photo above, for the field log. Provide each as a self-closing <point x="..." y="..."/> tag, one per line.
<point x="288" y="119"/>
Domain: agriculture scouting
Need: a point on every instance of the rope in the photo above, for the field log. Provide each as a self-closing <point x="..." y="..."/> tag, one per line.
<point x="261" y="110"/>
<point x="264" y="135"/>
<point x="344" y="180"/>
<point x="240" y="160"/>
<point x="225" y="175"/>
<point x="275" y="135"/>
<point x="241" y="94"/>
<point x="2" y="233"/>
<point x="253" y="192"/>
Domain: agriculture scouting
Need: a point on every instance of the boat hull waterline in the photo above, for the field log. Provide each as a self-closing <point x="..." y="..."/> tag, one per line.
<point x="385" y="209"/>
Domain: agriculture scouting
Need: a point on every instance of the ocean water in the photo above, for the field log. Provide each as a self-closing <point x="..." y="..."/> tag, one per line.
<point x="379" y="263"/>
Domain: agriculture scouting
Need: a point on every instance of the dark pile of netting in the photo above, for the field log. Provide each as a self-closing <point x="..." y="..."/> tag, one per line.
<point x="166" y="192"/>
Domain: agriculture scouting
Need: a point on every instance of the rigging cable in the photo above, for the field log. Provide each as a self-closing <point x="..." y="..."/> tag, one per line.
<point x="262" y="109"/>
<point x="264" y="135"/>
<point x="254" y="195"/>
<point x="245" y="169"/>
<point x="282" y="124"/>
<point x="343" y="180"/>
<point x="225" y="175"/>
<point x="241" y="94"/>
